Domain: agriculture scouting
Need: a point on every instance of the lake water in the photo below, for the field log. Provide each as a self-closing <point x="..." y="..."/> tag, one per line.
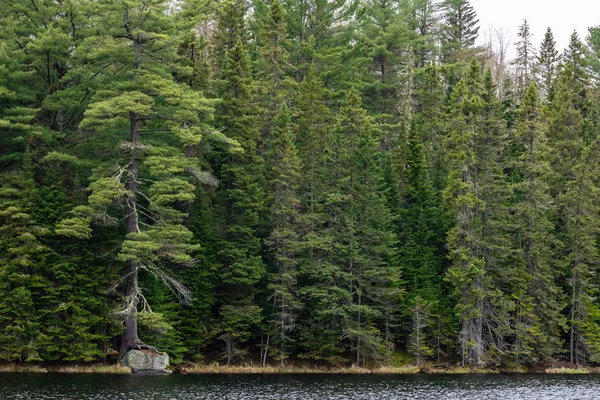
<point x="299" y="387"/>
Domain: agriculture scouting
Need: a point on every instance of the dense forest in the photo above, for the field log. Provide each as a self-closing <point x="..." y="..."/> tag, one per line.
<point x="328" y="182"/>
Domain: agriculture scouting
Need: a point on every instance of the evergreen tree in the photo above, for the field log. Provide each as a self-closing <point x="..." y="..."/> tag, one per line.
<point x="284" y="239"/>
<point x="459" y="30"/>
<point x="547" y="65"/>
<point x="421" y="252"/>
<point x="240" y="200"/>
<point x="136" y="98"/>
<point x="593" y="45"/>
<point x="230" y="27"/>
<point x="572" y="165"/>
<point x="21" y="254"/>
<point x="365" y="240"/>
<point x="422" y="17"/>
<point x="472" y="196"/>
<point x="524" y="61"/>
<point x="275" y="85"/>
<point x="537" y="322"/>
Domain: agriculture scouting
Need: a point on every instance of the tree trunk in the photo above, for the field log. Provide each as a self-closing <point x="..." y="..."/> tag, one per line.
<point x="130" y="339"/>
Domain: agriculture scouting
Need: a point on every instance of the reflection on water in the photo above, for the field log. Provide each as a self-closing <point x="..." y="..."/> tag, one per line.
<point x="299" y="387"/>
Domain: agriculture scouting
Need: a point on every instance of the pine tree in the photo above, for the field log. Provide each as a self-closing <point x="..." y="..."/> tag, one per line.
<point x="320" y="33"/>
<point x="422" y="17"/>
<point x="385" y="37"/>
<point x="137" y="97"/>
<point x="42" y="38"/>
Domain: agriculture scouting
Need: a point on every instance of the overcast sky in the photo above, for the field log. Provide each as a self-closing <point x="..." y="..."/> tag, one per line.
<point x="563" y="16"/>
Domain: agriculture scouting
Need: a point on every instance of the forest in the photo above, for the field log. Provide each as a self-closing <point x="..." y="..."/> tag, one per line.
<point x="286" y="182"/>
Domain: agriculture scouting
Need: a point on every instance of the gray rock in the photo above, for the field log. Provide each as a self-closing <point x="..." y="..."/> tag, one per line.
<point x="146" y="362"/>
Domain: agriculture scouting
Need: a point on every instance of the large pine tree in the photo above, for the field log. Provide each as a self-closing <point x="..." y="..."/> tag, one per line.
<point x="149" y="120"/>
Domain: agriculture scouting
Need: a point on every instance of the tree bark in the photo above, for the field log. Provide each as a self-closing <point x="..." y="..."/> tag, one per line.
<point x="130" y="339"/>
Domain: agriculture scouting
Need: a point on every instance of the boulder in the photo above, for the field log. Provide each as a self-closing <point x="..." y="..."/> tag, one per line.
<point x="146" y="362"/>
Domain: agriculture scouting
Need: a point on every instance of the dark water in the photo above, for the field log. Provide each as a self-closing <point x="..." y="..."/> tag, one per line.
<point x="296" y="387"/>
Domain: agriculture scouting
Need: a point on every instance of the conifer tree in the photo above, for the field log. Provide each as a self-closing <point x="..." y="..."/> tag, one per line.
<point x="593" y="45"/>
<point x="581" y="258"/>
<point x="230" y="27"/>
<point x="573" y="164"/>
<point x="320" y="34"/>
<point x="472" y="196"/>
<point x="137" y="98"/>
<point x="273" y="64"/>
<point x="431" y="106"/>
<point x="537" y="321"/>
<point x="459" y="30"/>
<point x="284" y="240"/>
<point x="467" y="272"/>
<point x="22" y="283"/>
<point x="422" y="17"/>
<point x="385" y="37"/>
<point x="547" y="65"/>
<point x="524" y="61"/>
<point x="314" y="130"/>
<point x="421" y="256"/>
<point x="241" y="204"/>
<point x="365" y="241"/>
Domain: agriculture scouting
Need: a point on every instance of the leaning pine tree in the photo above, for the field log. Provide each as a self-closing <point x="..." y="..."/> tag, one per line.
<point x="147" y="121"/>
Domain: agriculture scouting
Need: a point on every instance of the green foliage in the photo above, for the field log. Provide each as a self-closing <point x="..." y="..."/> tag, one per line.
<point x="350" y="189"/>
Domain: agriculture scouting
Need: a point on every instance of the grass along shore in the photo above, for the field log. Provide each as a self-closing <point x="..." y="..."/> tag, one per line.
<point x="64" y="369"/>
<point x="223" y="369"/>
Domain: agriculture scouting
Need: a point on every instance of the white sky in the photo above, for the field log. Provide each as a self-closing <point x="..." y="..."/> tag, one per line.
<point x="562" y="16"/>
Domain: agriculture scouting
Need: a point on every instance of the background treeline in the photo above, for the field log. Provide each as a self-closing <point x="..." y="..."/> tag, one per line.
<point x="277" y="181"/>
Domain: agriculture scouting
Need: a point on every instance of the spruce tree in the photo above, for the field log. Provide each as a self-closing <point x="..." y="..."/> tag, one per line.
<point x="573" y="164"/>
<point x="547" y="65"/>
<point x="537" y="316"/>
<point x="459" y="30"/>
<point x="21" y="254"/>
<point x="524" y="61"/>
<point x="365" y="240"/>
<point x="240" y="200"/>
<point x="273" y="67"/>
<point x="473" y="196"/>
<point x="593" y="45"/>
<point x="421" y="255"/>
<point x="230" y="27"/>
<point x="284" y="240"/>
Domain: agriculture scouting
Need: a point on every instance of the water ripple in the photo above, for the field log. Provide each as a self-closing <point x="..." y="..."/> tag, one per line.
<point x="299" y="387"/>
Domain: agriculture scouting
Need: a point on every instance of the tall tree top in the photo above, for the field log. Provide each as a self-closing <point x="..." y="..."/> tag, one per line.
<point x="461" y="26"/>
<point x="525" y="57"/>
<point x="546" y="64"/>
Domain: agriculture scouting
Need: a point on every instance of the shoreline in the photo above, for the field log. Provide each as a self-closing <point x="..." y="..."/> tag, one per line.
<point x="201" y="369"/>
